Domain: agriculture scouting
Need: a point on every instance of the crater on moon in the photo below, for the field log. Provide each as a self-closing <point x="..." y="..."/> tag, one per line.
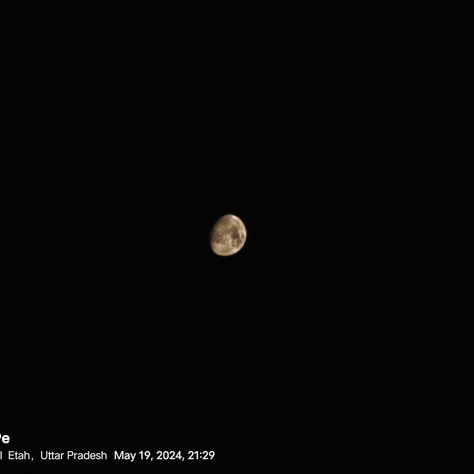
<point x="228" y="235"/>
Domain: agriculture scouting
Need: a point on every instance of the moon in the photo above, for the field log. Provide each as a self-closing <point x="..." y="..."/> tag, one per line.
<point x="228" y="236"/>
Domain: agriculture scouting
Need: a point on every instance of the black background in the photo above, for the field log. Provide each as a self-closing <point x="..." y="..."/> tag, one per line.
<point x="122" y="329"/>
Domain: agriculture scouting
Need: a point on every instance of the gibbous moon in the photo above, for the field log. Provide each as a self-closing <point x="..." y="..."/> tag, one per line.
<point x="228" y="235"/>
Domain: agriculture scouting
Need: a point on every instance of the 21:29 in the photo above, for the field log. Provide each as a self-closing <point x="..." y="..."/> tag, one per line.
<point x="201" y="455"/>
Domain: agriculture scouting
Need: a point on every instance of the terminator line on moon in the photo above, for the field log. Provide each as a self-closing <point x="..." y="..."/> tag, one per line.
<point x="228" y="236"/>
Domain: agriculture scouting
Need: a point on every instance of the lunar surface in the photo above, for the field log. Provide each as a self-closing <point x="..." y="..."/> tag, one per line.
<point x="228" y="236"/>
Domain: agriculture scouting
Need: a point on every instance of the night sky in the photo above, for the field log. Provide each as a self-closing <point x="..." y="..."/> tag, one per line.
<point x="120" y="328"/>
